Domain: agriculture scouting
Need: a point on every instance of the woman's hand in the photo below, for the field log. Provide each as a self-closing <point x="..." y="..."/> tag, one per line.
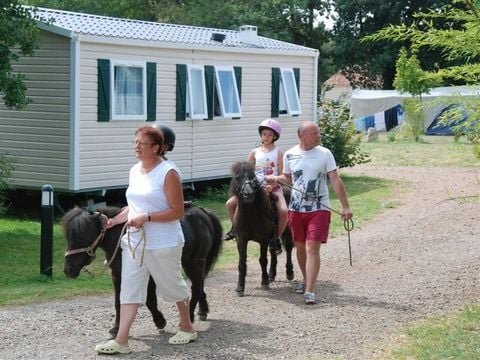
<point x="139" y="220"/>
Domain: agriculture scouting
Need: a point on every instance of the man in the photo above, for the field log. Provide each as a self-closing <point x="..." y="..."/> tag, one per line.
<point x="306" y="167"/>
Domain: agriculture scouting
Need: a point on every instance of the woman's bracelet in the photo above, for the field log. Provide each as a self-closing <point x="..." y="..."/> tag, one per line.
<point x="149" y="217"/>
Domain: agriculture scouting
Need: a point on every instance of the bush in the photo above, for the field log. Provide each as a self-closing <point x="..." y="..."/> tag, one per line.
<point x="414" y="120"/>
<point x="339" y="135"/>
<point x="6" y="169"/>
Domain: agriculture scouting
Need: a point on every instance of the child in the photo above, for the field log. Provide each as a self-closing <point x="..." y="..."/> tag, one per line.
<point x="268" y="160"/>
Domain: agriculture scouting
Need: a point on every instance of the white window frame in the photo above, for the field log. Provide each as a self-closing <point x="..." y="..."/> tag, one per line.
<point x="289" y="93"/>
<point x="192" y="93"/>
<point x="128" y="63"/>
<point x="222" y="92"/>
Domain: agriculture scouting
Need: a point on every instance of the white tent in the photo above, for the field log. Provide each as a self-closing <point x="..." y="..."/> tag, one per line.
<point x="370" y="102"/>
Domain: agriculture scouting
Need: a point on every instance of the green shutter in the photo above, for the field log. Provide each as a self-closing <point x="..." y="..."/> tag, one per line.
<point x="103" y="90"/>
<point x="151" y="91"/>
<point x="210" y="84"/>
<point x="238" y="79"/>
<point x="181" y="101"/>
<point x="296" y="72"/>
<point x="275" y="92"/>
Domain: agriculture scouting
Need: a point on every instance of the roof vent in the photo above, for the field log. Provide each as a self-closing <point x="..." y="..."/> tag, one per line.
<point x="248" y="34"/>
<point x="217" y="36"/>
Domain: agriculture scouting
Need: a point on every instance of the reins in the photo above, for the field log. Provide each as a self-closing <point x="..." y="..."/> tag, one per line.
<point x="348" y="224"/>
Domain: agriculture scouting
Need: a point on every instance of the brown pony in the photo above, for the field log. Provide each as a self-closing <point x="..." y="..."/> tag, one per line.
<point x="255" y="220"/>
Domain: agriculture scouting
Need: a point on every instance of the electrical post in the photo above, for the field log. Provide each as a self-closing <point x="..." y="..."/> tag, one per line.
<point x="46" y="241"/>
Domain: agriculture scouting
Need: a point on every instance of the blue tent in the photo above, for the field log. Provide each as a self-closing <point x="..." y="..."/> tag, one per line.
<point x="436" y="128"/>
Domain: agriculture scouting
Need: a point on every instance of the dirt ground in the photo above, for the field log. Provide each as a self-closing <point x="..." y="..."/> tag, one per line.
<point x="416" y="260"/>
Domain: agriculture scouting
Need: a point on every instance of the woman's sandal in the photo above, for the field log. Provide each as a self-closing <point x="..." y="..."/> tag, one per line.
<point x="182" y="337"/>
<point x="112" y="347"/>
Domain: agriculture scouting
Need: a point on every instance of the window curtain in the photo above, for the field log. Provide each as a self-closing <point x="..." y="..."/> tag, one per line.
<point x="128" y="90"/>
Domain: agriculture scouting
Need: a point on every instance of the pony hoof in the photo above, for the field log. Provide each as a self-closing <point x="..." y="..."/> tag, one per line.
<point x="290" y="276"/>
<point x="113" y="332"/>
<point x="240" y="293"/>
<point x="265" y="287"/>
<point x="271" y="278"/>
<point x="202" y="317"/>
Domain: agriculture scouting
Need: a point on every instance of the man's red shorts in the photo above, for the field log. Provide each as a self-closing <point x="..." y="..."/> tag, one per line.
<point x="311" y="226"/>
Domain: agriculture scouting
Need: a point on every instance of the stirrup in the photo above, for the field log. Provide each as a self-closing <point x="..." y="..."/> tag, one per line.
<point x="276" y="246"/>
<point x="229" y="236"/>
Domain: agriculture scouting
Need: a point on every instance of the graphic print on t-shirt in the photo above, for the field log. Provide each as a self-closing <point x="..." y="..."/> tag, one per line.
<point x="264" y="168"/>
<point x="308" y="199"/>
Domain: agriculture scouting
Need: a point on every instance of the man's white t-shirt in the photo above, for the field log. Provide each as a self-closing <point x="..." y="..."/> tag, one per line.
<point x="309" y="171"/>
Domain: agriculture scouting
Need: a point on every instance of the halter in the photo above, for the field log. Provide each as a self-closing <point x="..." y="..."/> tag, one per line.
<point x="254" y="183"/>
<point x="90" y="250"/>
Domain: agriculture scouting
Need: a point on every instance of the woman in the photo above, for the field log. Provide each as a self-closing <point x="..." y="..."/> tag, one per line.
<point x="153" y="242"/>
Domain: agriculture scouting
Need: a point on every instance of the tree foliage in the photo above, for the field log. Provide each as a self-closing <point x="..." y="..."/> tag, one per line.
<point x="458" y="46"/>
<point x="6" y="169"/>
<point x="18" y="35"/>
<point x="358" y="18"/>
<point x="339" y="135"/>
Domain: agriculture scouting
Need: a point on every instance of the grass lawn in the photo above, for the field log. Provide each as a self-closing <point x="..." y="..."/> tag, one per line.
<point x="441" y="151"/>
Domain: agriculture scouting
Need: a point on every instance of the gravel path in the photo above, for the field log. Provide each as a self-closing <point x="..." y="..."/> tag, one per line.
<point x="417" y="260"/>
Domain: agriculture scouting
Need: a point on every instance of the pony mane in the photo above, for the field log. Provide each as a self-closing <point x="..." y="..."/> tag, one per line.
<point x="79" y="221"/>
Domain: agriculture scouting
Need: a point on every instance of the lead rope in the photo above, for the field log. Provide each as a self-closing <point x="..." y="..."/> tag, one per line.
<point x="348" y="224"/>
<point x="143" y="239"/>
<point x="108" y="263"/>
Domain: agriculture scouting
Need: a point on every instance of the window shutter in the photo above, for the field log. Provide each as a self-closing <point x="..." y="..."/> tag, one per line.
<point x="210" y="84"/>
<point x="181" y="100"/>
<point x="103" y="90"/>
<point x="151" y="91"/>
<point x="296" y="72"/>
<point x="238" y="79"/>
<point x="275" y="92"/>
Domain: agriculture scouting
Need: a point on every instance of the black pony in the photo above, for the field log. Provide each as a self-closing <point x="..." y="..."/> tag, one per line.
<point x="256" y="220"/>
<point x="85" y="232"/>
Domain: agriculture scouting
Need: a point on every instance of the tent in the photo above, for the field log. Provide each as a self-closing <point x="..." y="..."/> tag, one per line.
<point x="365" y="103"/>
<point x="439" y="129"/>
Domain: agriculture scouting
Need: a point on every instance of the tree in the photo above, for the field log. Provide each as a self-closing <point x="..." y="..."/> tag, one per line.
<point x="18" y="35"/>
<point x="410" y="78"/>
<point x="458" y="45"/>
<point x="6" y="170"/>
<point x="362" y="62"/>
<point x="339" y="135"/>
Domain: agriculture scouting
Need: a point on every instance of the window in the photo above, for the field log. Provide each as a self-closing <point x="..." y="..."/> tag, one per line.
<point x="205" y="92"/>
<point x="289" y="101"/>
<point x="196" y="94"/>
<point x="228" y="98"/>
<point x="285" y="90"/>
<point x="126" y="90"/>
